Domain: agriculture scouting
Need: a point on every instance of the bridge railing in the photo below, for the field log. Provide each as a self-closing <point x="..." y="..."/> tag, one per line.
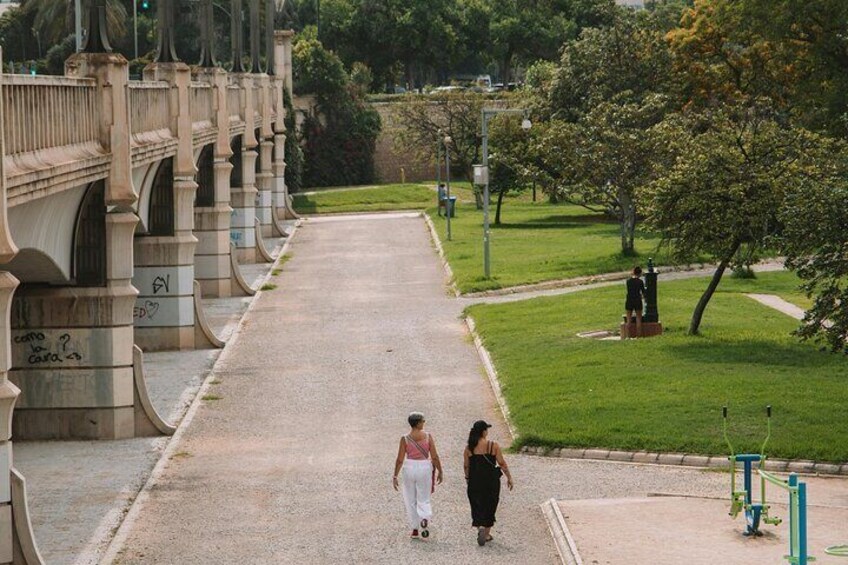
<point x="150" y="108"/>
<point x="46" y="112"/>
<point x="201" y="105"/>
<point x="234" y="103"/>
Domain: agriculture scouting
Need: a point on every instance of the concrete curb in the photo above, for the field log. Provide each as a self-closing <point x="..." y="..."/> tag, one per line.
<point x="434" y="236"/>
<point x="592" y="279"/>
<point x="563" y="540"/>
<point x="492" y="374"/>
<point x="799" y="466"/>
<point x="118" y="532"/>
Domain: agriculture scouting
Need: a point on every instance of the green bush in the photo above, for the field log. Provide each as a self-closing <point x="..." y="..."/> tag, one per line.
<point x="339" y="140"/>
<point x="293" y="152"/>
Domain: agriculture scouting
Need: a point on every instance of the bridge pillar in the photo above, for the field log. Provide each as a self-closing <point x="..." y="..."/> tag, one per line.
<point x="212" y="215"/>
<point x="72" y="349"/>
<point x="281" y="82"/>
<point x="164" y="262"/>
<point x="243" y="193"/>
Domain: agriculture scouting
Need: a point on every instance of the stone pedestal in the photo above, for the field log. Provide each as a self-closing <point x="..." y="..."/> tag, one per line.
<point x="649" y="329"/>
<point x="264" y="186"/>
<point x="243" y="203"/>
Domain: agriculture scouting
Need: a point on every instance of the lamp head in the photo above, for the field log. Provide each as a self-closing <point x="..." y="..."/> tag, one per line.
<point x="448" y="140"/>
<point x="526" y="124"/>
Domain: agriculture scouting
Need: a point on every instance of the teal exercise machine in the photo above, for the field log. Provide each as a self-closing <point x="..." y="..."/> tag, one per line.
<point x="756" y="512"/>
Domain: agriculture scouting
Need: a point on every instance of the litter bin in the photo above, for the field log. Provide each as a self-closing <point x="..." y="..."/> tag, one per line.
<point x="451" y="207"/>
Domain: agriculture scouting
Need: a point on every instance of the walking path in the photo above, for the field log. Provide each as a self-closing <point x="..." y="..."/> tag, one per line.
<point x="292" y="461"/>
<point x="779" y="304"/>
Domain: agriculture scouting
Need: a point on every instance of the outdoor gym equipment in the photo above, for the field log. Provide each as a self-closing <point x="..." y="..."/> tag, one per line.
<point x="837" y="550"/>
<point x="742" y="500"/>
<point x="754" y="512"/>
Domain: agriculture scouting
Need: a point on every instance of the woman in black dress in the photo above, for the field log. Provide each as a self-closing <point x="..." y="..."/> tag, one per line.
<point x="484" y="465"/>
<point x="633" y="303"/>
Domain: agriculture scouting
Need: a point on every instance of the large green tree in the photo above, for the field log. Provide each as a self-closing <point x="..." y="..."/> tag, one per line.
<point x="734" y="168"/>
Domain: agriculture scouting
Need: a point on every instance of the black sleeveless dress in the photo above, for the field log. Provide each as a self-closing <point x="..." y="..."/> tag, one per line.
<point x="484" y="488"/>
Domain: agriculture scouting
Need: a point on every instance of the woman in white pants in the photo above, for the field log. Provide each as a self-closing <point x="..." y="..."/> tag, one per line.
<point x="419" y="459"/>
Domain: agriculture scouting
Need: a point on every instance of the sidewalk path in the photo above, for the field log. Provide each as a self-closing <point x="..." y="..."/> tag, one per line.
<point x="779" y="304"/>
<point x="293" y="463"/>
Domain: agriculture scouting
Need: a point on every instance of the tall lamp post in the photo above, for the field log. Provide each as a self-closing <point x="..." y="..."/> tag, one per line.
<point x="448" y="205"/>
<point x="484" y="173"/>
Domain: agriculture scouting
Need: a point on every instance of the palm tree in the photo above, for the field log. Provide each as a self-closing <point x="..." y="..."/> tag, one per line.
<point x="54" y="19"/>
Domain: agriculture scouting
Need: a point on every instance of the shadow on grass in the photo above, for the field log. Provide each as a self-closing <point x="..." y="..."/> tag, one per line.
<point x="750" y="352"/>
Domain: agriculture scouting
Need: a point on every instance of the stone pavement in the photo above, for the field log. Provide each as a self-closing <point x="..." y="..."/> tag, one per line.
<point x="79" y="490"/>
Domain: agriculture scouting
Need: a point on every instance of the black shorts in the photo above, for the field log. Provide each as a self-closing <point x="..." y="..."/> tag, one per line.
<point x="633" y="305"/>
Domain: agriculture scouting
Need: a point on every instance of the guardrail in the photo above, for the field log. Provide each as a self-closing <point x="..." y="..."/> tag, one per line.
<point x="46" y="112"/>
<point x="200" y="102"/>
<point x="150" y="106"/>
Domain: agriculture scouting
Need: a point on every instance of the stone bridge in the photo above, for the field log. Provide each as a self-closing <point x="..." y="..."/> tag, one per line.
<point x="121" y="202"/>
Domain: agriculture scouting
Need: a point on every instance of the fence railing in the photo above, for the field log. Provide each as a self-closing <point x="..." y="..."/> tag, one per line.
<point x="45" y="112"/>
<point x="234" y="104"/>
<point x="150" y="106"/>
<point x="200" y="103"/>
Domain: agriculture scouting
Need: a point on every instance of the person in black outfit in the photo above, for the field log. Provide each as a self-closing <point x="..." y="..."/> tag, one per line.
<point x="484" y="465"/>
<point x="633" y="304"/>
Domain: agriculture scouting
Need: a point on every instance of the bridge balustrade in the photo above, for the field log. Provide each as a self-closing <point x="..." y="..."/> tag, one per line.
<point x="150" y="111"/>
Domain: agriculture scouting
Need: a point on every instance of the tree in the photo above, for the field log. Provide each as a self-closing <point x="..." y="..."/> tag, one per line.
<point x="725" y="189"/>
<point x="508" y="149"/>
<point x="524" y="31"/>
<point x="424" y="123"/>
<point x="54" y="19"/>
<point x="603" y="160"/>
<point x="815" y="242"/>
<point x="339" y="138"/>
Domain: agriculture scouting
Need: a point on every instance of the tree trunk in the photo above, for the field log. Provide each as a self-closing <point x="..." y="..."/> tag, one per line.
<point x="534" y="192"/>
<point x="627" y="220"/>
<point x="698" y="314"/>
<point x="498" y="208"/>
<point x="507" y="69"/>
<point x="478" y="197"/>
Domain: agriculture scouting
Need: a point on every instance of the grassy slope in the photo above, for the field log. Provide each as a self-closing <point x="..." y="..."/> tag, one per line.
<point x="537" y="242"/>
<point x="371" y="199"/>
<point x="666" y="393"/>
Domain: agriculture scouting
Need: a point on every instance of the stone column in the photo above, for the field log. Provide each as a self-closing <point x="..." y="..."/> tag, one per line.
<point x="281" y="82"/>
<point x="72" y="350"/>
<point x="212" y="224"/>
<point x="243" y="198"/>
<point x="164" y="264"/>
<point x="8" y="395"/>
<point x="265" y="177"/>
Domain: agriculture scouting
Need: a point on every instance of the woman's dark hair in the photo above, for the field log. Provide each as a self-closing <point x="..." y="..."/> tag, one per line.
<point x="474" y="438"/>
<point x="637" y="270"/>
<point x="476" y="433"/>
<point x="415" y="418"/>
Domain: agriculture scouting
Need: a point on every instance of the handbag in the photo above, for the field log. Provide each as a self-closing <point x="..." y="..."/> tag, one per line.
<point x="494" y="465"/>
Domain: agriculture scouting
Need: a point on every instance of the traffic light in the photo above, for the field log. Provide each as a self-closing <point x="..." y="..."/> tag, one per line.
<point x="145" y="4"/>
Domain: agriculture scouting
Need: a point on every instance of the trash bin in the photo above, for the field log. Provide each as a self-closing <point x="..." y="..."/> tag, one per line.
<point x="451" y="207"/>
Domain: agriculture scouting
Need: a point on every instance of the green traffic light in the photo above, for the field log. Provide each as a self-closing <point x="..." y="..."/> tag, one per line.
<point x="145" y="5"/>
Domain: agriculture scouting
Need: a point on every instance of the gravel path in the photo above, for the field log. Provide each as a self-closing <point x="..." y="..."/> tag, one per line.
<point x="292" y="463"/>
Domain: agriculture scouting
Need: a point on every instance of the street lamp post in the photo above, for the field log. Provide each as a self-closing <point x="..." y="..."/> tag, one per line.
<point x="525" y="125"/>
<point x="448" y="203"/>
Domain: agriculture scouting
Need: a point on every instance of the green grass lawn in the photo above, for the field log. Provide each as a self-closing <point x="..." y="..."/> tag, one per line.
<point x="368" y="199"/>
<point x="665" y="393"/>
<point x="537" y="241"/>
